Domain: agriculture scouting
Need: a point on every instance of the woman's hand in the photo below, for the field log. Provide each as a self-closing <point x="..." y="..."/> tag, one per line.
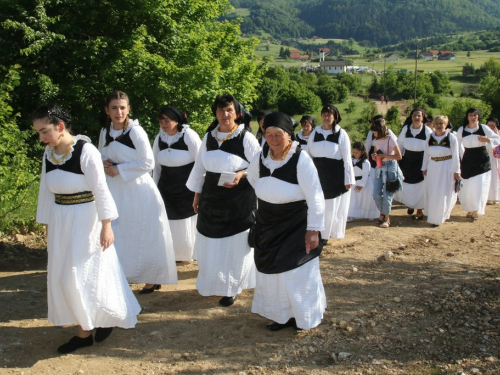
<point x="236" y="181"/>
<point x="196" y="202"/>
<point x="347" y="187"/>
<point x="482" y="138"/>
<point x="107" y="236"/>
<point x="357" y="189"/>
<point x="312" y="240"/>
<point x="457" y="176"/>
<point x="424" y="173"/>
<point x="112" y="171"/>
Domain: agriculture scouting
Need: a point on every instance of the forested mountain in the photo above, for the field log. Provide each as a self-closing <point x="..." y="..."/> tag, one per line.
<point x="380" y="21"/>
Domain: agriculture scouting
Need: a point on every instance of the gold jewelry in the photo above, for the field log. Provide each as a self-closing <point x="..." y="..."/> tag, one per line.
<point x="284" y="153"/>
<point x="228" y="136"/>
<point x="58" y="161"/>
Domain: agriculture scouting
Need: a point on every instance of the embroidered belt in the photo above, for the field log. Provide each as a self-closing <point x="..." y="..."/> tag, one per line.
<point x="441" y="158"/>
<point x="78" y="198"/>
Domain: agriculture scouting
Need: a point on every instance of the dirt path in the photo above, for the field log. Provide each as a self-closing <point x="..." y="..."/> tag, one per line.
<point x="431" y="308"/>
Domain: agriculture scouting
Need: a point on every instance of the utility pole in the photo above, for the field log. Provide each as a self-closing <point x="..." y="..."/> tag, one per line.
<point x="416" y="59"/>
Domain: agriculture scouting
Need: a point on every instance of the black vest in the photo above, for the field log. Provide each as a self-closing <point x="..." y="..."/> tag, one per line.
<point x="420" y="135"/>
<point x="479" y="131"/>
<point x="72" y="165"/>
<point x="231" y="146"/>
<point x="124" y="139"/>
<point x="287" y="172"/>
<point x="179" y="145"/>
<point x="445" y="142"/>
<point x="334" y="137"/>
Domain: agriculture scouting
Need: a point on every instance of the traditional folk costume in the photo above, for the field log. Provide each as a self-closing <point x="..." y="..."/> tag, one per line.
<point x="85" y="285"/>
<point x="362" y="205"/>
<point x="412" y="144"/>
<point x="142" y="233"/>
<point x="302" y="140"/>
<point x="441" y="161"/>
<point x="475" y="167"/>
<point x="290" y="202"/>
<point x="174" y="159"/>
<point x="494" y="194"/>
<point x="225" y="215"/>
<point x="331" y="153"/>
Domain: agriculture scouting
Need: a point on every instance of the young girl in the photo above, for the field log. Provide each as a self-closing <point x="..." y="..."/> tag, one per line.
<point x="143" y="236"/>
<point x="362" y="205"/>
<point x="85" y="282"/>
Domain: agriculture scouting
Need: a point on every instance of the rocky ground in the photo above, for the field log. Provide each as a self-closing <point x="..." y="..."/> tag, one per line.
<point x="410" y="299"/>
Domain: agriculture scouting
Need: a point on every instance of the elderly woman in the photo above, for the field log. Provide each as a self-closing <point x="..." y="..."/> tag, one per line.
<point x="441" y="167"/>
<point x="307" y="124"/>
<point x="289" y="289"/>
<point x="475" y="166"/>
<point x="411" y="141"/>
<point x="330" y="147"/>
<point x="494" y="194"/>
<point x="225" y="203"/>
<point x="175" y="149"/>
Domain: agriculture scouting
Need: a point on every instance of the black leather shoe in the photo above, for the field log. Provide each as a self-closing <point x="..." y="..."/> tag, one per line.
<point x="102" y="334"/>
<point x="278" y="327"/>
<point x="150" y="290"/>
<point x="227" y="301"/>
<point x="324" y="242"/>
<point x="410" y="211"/>
<point x="75" y="343"/>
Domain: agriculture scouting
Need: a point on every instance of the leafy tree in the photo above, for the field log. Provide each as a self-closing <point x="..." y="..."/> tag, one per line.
<point x="351" y="81"/>
<point x="332" y="92"/>
<point x="468" y="70"/>
<point x="393" y="119"/>
<point x="176" y="52"/>
<point x="298" y="100"/>
<point x="440" y="82"/>
<point x="456" y="113"/>
<point x="490" y="85"/>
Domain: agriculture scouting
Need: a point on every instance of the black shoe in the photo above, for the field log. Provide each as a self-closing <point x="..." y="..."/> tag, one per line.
<point x="75" y="343"/>
<point x="410" y="211"/>
<point x="227" y="301"/>
<point x="102" y="334"/>
<point x="324" y="242"/>
<point x="150" y="290"/>
<point x="435" y="225"/>
<point x="278" y="327"/>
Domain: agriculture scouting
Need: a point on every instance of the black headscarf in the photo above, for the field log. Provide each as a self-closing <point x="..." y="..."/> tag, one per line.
<point x="471" y="110"/>
<point x="336" y="114"/>
<point x="175" y="114"/>
<point x="279" y="120"/>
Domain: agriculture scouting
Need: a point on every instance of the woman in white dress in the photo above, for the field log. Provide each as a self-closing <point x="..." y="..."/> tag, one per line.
<point x="473" y="137"/>
<point x="175" y="149"/>
<point x="411" y="141"/>
<point x="289" y="290"/>
<point x="225" y="203"/>
<point x="307" y="123"/>
<point x="362" y="205"/>
<point x="142" y="233"/>
<point x="441" y="167"/>
<point x="494" y="194"/>
<point x="85" y="282"/>
<point x="330" y="147"/>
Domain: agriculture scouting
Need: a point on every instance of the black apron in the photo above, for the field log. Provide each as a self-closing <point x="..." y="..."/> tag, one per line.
<point x="476" y="160"/>
<point x="411" y="163"/>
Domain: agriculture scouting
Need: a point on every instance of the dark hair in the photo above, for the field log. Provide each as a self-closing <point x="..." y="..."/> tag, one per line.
<point x="105" y="120"/>
<point x="336" y="114"/>
<point x="429" y="118"/>
<point x="376" y="117"/>
<point x="260" y="116"/>
<point x="409" y="120"/>
<point x="175" y="114"/>
<point x="379" y="127"/>
<point x="495" y="120"/>
<point x="308" y="118"/>
<point x="53" y="115"/>
<point x="222" y="101"/>
<point x="472" y="110"/>
<point x="361" y="147"/>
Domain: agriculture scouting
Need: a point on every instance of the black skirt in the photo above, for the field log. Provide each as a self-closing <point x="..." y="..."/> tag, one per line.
<point x="279" y="237"/>
<point x="411" y="166"/>
<point x="475" y="161"/>
<point x="177" y="197"/>
<point x="331" y="176"/>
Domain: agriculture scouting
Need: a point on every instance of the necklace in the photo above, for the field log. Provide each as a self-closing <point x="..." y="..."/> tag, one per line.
<point x="58" y="161"/>
<point x="284" y="153"/>
<point x="228" y="136"/>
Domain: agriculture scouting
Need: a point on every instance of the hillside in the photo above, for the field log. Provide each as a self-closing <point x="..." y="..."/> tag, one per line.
<point x="379" y="22"/>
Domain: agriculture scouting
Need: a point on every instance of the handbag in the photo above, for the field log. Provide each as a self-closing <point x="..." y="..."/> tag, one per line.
<point x="392" y="185"/>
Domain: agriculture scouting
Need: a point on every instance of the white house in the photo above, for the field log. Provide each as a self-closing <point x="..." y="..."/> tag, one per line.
<point x="333" y="67"/>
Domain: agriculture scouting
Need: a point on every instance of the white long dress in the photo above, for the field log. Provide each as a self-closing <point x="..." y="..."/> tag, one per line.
<point x="142" y="233"/>
<point x="440" y="180"/>
<point x="85" y="285"/>
<point x="474" y="192"/>
<point x="336" y="209"/>
<point x="412" y="195"/>
<point x="226" y="265"/>
<point x="297" y="293"/>
<point x="494" y="194"/>
<point x="362" y="205"/>
<point x="183" y="230"/>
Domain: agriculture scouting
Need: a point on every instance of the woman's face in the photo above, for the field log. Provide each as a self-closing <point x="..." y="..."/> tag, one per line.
<point x="306" y="127"/>
<point x="226" y="116"/>
<point x="277" y="139"/>
<point x="327" y="118"/>
<point x="118" y="110"/>
<point x="417" y="117"/>
<point x="357" y="153"/>
<point x="375" y="134"/>
<point x="439" y="126"/>
<point x="49" y="134"/>
<point x="168" y="125"/>
<point x="473" y="118"/>
<point x="492" y="125"/>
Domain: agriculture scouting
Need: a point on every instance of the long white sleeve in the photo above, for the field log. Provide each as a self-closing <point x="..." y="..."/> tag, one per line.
<point x="345" y="151"/>
<point x="365" y="174"/>
<point x="402" y="138"/>
<point x="157" y="167"/>
<point x="46" y="199"/>
<point x="309" y="183"/>
<point x="197" y="176"/>
<point x="145" y="161"/>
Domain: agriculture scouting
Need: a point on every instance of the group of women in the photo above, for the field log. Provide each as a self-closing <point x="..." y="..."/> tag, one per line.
<point x="254" y="212"/>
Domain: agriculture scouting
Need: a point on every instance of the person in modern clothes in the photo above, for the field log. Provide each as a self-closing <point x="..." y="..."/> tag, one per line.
<point x="475" y="163"/>
<point x="85" y="282"/>
<point x="494" y="194"/>
<point x="143" y="238"/>
<point x="175" y="149"/>
<point x="441" y="166"/>
<point x="289" y="290"/>
<point x="330" y="147"/>
<point x="225" y="203"/>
